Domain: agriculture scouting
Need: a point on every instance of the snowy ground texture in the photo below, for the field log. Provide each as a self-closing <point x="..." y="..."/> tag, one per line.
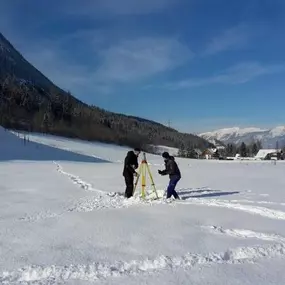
<point x="63" y="219"/>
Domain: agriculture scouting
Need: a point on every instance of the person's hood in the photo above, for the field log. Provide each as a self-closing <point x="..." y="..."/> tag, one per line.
<point x="170" y="158"/>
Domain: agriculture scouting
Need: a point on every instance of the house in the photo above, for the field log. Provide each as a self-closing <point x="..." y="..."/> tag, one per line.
<point x="208" y="153"/>
<point x="267" y="154"/>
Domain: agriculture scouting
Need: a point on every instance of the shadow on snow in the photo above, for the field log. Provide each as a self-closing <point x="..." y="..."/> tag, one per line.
<point x="203" y="193"/>
<point x="14" y="148"/>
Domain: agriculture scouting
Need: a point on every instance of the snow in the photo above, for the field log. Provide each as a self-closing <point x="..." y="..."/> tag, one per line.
<point x="278" y="131"/>
<point x="161" y="148"/>
<point x="237" y="135"/>
<point x="64" y="220"/>
<point x="221" y="134"/>
<point x="13" y="148"/>
<point x="262" y="153"/>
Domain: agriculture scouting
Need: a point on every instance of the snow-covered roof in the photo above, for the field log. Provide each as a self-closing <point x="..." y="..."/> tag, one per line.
<point x="208" y="151"/>
<point x="262" y="153"/>
<point x="220" y="147"/>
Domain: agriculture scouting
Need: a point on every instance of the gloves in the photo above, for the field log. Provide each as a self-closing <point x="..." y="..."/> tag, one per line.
<point x="160" y="172"/>
<point x="136" y="174"/>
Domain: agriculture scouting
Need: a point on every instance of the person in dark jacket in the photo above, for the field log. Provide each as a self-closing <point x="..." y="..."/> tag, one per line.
<point x="130" y="166"/>
<point x="171" y="169"/>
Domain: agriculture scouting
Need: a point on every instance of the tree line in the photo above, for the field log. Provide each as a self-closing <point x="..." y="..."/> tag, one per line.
<point x="244" y="150"/>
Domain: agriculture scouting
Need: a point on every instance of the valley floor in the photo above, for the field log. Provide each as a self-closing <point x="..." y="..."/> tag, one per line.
<point x="65" y="221"/>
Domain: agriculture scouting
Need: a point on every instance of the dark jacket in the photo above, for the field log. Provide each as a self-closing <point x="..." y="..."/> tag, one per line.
<point x="171" y="168"/>
<point x="130" y="164"/>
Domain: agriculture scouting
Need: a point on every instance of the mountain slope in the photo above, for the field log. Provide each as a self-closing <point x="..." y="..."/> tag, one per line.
<point x="30" y="101"/>
<point x="268" y="137"/>
<point x="12" y="63"/>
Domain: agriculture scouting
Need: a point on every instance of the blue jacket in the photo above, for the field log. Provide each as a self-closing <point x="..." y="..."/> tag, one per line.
<point x="171" y="168"/>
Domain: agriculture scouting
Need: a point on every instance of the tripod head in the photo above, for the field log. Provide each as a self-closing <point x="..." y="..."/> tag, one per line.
<point x="144" y="158"/>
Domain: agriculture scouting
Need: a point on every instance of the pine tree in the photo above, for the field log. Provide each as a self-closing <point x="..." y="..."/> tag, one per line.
<point x="243" y="150"/>
<point x="181" y="151"/>
<point x="189" y="152"/>
<point x="229" y="150"/>
<point x="254" y="149"/>
<point x="45" y="123"/>
<point x="259" y="145"/>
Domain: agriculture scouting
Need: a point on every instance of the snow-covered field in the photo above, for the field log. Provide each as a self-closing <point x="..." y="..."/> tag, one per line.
<point x="61" y="221"/>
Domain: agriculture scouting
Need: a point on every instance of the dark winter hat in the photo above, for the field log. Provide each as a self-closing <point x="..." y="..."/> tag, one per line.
<point x="165" y="155"/>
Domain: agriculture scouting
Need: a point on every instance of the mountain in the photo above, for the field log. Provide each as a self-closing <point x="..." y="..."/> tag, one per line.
<point x="268" y="137"/>
<point x="13" y="64"/>
<point x="30" y="101"/>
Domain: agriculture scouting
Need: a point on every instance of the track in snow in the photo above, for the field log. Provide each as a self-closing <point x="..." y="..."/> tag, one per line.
<point x="103" y="200"/>
<point x="76" y="180"/>
<point x="244" y="234"/>
<point x="99" y="271"/>
<point x="256" y="210"/>
<point x="100" y="200"/>
<point x="39" y="216"/>
<point x="258" y="202"/>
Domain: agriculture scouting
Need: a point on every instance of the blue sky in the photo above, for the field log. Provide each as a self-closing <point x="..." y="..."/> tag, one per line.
<point x="200" y="64"/>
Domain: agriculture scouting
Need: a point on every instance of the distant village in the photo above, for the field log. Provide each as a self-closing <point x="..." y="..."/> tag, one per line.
<point x="232" y="152"/>
<point x="215" y="153"/>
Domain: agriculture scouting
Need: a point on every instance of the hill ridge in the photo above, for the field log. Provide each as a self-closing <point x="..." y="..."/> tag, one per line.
<point x="31" y="102"/>
<point x="269" y="137"/>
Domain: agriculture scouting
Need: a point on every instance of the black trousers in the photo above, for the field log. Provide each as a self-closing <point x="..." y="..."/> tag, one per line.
<point x="129" y="180"/>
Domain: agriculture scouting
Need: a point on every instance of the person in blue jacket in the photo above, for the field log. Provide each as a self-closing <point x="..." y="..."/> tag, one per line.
<point x="171" y="169"/>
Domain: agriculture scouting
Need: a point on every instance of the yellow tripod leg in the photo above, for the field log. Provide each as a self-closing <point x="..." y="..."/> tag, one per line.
<point x="137" y="180"/>
<point x="143" y="180"/>
<point x="152" y="182"/>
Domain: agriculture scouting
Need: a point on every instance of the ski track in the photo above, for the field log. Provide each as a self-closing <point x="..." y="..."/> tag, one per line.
<point x="265" y="212"/>
<point x="117" y="201"/>
<point x="103" y="200"/>
<point x="100" y="201"/>
<point x="244" y="234"/>
<point x="100" y="271"/>
<point x="257" y="202"/>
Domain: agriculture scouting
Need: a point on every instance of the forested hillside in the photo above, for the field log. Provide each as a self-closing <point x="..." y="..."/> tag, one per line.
<point x="29" y="101"/>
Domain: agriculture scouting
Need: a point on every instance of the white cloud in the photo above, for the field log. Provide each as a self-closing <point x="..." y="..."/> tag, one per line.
<point x="210" y="124"/>
<point x="238" y="74"/>
<point x="128" y="61"/>
<point x="50" y="62"/>
<point x="137" y="59"/>
<point x="233" y="38"/>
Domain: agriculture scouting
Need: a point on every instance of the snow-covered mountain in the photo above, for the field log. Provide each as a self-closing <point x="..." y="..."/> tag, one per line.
<point x="268" y="137"/>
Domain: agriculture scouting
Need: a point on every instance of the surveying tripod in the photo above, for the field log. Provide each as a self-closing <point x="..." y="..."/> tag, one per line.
<point x="143" y="171"/>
